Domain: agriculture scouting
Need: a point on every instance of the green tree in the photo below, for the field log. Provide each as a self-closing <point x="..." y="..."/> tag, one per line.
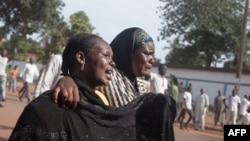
<point x="26" y="17"/>
<point x="54" y="38"/>
<point x="208" y="30"/>
<point x="18" y="47"/>
<point x="185" y="55"/>
<point x="80" y="23"/>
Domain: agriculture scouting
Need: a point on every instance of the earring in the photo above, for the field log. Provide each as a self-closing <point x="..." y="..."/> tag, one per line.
<point x="82" y="68"/>
<point x="83" y="63"/>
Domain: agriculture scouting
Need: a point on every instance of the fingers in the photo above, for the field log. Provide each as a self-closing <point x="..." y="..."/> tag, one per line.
<point x="73" y="97"/>
<point x="64" y="98"/>
<point x="55" y="94"/>
<point x="76" y="97"/>
<point x="67" y="92"/>
<point x="70" y="97"/>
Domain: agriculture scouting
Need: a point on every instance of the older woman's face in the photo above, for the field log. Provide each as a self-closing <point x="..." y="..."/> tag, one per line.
<point x="99" y="64"/>
<point x="143" y="59"/>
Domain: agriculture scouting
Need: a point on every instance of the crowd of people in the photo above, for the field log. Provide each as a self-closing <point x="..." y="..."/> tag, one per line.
<point x="231" y="110"/>
<point x="92" y="90"/>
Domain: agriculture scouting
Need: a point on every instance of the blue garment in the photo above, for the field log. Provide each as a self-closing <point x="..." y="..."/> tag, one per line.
<point x="13" y="84"/>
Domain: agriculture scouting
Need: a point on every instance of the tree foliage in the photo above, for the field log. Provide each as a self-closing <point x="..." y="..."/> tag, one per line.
<point x="18" y="47"/>
<point x="80" y="23"/>
<point x="26" y="17"/>
<point x="23" y="18"/>
<point x="207" y="30"/>
<point x="184" y="55"/>
<point x="55" y="38"/>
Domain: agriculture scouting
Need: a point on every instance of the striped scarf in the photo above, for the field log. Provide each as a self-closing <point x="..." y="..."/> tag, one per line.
<point x="120" y="91"/>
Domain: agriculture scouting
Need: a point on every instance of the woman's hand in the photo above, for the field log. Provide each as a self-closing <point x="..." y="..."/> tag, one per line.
<point x="67" y="90"/>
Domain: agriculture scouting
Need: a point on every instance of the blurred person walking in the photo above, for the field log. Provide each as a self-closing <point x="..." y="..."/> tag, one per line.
<point x="3" y="65"/>
<point x="217" y="108"/>
<point x="245" y="103"/>
<point x="246" y="118"/>
<point x="187" y="107"/>
<point x="3" y="75"/>
<point x="29" y="72"/>
<point x="51" y="73"/>
<point x="175" y="92"/>
<point x="234" y="104"/>
<point x="13" y="78"/>
<point x="201" y="105"/>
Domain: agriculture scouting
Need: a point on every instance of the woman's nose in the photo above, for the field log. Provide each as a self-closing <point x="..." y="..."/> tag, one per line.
<point x="112" y="63"/>
<point x="152" y="60"/>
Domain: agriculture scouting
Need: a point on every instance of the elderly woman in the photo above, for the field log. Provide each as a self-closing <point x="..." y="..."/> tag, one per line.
<point x="133" y="52"/>
<point x="87" y="59"/>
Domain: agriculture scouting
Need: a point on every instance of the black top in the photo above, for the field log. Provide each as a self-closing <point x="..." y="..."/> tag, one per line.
<point x="149" y="117"/>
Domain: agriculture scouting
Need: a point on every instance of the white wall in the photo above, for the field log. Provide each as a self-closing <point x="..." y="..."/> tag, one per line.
<point x="210" y="81"/>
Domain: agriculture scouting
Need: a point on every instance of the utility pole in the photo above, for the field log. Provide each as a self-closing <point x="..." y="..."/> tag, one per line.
<point x="242" y="46"/>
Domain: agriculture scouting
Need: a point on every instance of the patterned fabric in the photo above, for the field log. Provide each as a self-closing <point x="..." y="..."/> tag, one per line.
<point x="141" y="38"/>
<point x="144" y="85"/>
<point x="119" y="91"/>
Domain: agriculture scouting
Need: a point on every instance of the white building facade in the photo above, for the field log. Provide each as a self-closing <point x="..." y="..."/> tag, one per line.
<point x="210" y="79"/>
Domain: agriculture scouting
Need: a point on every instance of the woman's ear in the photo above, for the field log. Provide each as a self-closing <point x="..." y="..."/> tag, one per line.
<point x="80" y="57"/>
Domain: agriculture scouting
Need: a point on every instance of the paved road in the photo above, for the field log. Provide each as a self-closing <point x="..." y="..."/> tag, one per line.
<point x="13" y="107"/>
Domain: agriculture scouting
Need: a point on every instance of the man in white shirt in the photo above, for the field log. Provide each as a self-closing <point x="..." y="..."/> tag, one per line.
<point x="234" y="104"/>
<point x="243" y="109"/>
<point x="158" y="81"/>
<point x="28" y="74"/>
<point x="246" y="118"/>
<point x="3" y="65"/>
<point x="52" y="73"/>
<point x="187" y="107"/>
<point x="201" y="105"/>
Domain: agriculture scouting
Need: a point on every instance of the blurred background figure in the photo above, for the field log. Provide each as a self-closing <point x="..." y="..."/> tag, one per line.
<point x="201" y="103"/>
<point x="158" y="81"/>
<point x="28" y="74"/>
<point x="246" y="118"/>
<point x="13" y="79"/>
<point x="217" y="108"/>
<point x="187" y="108"/>
<point x="234" y="104"/>
<point x="3" y="75"/>
<point x="51" y="73"/>
<point x="174" y="92"/>
<point x="243" y="109"/>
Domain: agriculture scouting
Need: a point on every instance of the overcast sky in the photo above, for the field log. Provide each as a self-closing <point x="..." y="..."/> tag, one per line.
<point x="110" y="17"/>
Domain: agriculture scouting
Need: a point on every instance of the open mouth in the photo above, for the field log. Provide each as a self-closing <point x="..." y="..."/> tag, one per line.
<point x="148" y="68"/>
<point x="108" y="73"/>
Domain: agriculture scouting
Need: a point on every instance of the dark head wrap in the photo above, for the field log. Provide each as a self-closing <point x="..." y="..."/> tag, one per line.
<point x="124" y="45"/>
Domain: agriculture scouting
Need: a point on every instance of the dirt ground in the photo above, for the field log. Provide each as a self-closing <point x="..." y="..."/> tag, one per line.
<point x="13" y="108"/>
